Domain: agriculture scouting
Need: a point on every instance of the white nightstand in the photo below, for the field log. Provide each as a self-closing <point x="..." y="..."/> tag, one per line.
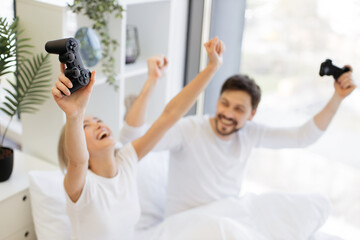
<point x="15" y="212"/>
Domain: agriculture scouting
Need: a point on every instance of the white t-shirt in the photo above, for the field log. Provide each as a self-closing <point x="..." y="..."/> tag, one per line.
<point x="203" y="168"/>
<point x="108" y="208"/>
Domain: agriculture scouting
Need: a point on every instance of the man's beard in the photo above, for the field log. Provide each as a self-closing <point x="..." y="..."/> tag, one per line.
<point x="217" y="119"/>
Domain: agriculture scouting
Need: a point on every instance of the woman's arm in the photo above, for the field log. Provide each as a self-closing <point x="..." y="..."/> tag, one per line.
<point x="75" y="144"/>
<point x="135" y="117"/>
<point x="182" y="102"/>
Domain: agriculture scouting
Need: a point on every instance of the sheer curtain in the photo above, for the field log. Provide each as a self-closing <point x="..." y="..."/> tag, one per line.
<point x="284" y="44"/>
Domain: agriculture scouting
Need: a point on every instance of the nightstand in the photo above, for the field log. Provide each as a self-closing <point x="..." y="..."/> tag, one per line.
<point x="15" y="212"/>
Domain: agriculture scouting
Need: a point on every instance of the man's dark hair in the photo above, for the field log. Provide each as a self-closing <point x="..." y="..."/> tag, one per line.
<point x="243" y="83"/>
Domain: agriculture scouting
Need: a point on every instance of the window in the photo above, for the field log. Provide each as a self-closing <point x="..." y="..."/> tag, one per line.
<point x="284" y="44"/>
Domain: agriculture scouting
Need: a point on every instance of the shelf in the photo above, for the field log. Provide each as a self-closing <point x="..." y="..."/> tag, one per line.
<point x="60" y="3"/>
<point x="132" y="2"/>
<point x="135" y="69"/>
<point x="100" y="78"/>
<point x="131" y="70"/>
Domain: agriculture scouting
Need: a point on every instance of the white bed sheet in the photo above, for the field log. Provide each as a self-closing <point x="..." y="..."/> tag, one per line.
<point x="147" y="234"/>
<point x="273" y="216"/>
<point x="226" y="219"/>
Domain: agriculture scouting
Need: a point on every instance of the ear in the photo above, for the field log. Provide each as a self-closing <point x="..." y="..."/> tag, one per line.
<point x="252" y="114"/>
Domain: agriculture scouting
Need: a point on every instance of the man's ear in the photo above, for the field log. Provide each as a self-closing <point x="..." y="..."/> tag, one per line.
<point x="252" y="114"/>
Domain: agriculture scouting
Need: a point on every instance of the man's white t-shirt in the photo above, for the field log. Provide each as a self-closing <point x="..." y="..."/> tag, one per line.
<point x="203" y="168"/>
<point x="108" y="208"/>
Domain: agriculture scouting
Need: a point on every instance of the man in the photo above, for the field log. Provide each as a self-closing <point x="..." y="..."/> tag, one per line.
<point x="208" y="155"/>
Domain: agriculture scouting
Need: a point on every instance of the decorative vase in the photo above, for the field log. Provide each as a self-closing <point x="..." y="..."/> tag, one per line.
<point x="6" y="163"/>
<point x="132" y="44"/>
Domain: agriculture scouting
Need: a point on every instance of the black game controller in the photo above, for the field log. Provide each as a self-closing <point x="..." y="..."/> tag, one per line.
<point x="327" y="68"/>
<point x="68" y="50"/>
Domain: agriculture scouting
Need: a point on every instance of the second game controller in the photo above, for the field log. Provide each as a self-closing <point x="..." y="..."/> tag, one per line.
<point x="327" y="68"/>
<point x="68" y="50"/>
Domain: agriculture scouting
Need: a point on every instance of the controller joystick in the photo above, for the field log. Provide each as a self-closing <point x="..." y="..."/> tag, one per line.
<point x="68" y="50"/>
<point x="67" y="57"/>
<point x="327" y="68"/>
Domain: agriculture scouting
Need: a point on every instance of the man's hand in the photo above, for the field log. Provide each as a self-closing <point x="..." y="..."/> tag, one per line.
<point x="344" y="84"/>
<point x="156" y="67"/>
<point x="215" y="49"/>
<point x="72" y="104"/>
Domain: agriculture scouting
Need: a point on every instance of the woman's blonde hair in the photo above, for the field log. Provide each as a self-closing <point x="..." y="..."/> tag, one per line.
<point x="63" y="160"/>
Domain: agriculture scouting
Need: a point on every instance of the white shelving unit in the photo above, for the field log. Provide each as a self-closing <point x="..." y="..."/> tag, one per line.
<point x="162" y="28"/>
<point x="136" y="69"/>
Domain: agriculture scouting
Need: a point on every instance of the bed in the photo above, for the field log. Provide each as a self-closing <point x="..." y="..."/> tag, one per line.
<point x="271" y="216"/>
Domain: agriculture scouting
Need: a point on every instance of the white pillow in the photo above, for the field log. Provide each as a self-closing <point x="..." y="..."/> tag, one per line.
<point x="49" y="205"/>
<point x="152" y="184"/>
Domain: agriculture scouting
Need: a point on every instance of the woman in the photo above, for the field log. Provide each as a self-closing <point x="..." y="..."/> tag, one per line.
<point x="100" y="181"/>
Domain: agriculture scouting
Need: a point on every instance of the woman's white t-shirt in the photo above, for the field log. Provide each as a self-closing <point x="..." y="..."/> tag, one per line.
<point x="108" y="208"/>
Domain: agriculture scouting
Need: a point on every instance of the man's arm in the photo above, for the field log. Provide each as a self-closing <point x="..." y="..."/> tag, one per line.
<point x="309" y="132"/>
<point x="182" y="102"/>
<point x="343" y="87"/>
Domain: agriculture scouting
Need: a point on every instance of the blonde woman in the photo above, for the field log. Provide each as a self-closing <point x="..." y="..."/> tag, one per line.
<point x="100" y="181"/>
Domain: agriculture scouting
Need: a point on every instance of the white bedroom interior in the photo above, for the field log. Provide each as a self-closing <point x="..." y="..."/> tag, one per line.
<point x="280" y="43"/>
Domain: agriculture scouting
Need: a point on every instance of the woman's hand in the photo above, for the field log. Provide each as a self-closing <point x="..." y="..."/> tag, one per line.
<point x="74" y="104"/>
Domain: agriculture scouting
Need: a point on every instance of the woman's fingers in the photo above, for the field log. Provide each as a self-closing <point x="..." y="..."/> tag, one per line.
<point x="62" y="78"/>
<point x="92" y="81"/>
<point x="56" y="93"/>
<point x="61" y="86"/>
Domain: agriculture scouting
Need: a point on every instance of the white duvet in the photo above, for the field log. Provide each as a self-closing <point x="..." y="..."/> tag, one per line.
<point x="271" y="216"/>
<point x="275" y="216"/>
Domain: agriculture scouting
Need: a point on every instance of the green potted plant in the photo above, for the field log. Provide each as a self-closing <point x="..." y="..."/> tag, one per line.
<point x="29" y="86"/>
<point x="98" y="12"/>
